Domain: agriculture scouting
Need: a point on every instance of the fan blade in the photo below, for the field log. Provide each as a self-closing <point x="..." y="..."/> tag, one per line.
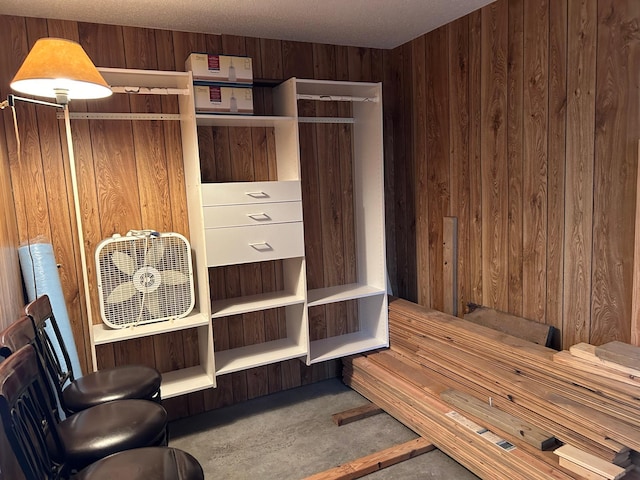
<point x="153" y="304"/>
<point x="121" y="293"/>
<point x="124" y="262"/>
<point x="154" y="253"/>
<point x="173" y="277"/>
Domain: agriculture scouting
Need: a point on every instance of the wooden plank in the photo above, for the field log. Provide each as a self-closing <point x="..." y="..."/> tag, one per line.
<point x="511" y="324"/>
<point x="450" y="265"/>
<point x="621" y="353"/>
<point x="460" y="201"/>
<point x="354" y="414"/>
<point x="493" y="417"/>
<point x="475" y="282"/>
<point x="587" y="352"/>
<point x="580" y="390"/>
<point x="515" y="151"/>
<point x="535" y="125"/>
<point x="596" y="368"/>
<point x="617" y="106"/>
<point x="521" y="354"/>
<point x="376" y="461"/>
<point x="590" y="462"/>
<point x="556" y="162"/>
<point x="582" y="471"/>
<point x="450" y="432"/>
<point x="494" y="169"/>
<point x="438" y="162"/>
<point x="635" y="299"/>
<point x="581" y="81"/>
<point x="419" y="156"/>
<point x="351" y="67"/>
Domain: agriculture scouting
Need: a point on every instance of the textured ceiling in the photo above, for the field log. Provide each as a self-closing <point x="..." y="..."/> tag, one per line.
<point x="363" y="23"/>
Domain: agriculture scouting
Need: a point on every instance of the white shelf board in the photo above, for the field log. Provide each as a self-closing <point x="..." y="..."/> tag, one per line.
<point x="236" y="359"/>
<point x="339" y="293"/>
<point x="252" y="303"/>
<point x="337" y="88"/>
<point x="144" y="78"/>
<point x="221" y="120"/>
<point x="102" y="334"/>
<point x="187" y="380"/>
<point x="343" y="345"/>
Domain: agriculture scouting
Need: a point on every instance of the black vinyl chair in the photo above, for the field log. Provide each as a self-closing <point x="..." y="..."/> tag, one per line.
<point x="96" y="432"/>
<point x="33" y="433"/>
<point x="118" y="383"/>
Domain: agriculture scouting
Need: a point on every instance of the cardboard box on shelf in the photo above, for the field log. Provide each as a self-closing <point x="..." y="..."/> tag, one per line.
<point x="223" y="99"/>
<point x="220" y="68"/>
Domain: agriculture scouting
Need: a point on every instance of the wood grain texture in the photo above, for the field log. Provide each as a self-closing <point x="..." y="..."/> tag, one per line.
<point x="459" y="157"/>
<point x="635" y="299"/>
<point x="581" y="40"/>
<point x="515" y="151"/>
<point x="438" y="163"/>
<point x="556" y="162"/>
<point x="476" y="245"/>
<point x="494" y="155"/>
<point x="591" y="68"/>
<point x="617" y="126"/>
<point x="535" y="114"/>
<point x="420" y="160"/>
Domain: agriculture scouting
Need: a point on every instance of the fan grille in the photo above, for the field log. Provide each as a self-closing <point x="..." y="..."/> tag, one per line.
<point x="144" y="279"/>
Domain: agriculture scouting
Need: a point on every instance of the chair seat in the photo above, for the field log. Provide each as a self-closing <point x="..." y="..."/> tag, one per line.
<point x="145" y="464"/>
<point x="118" y="383"/>
<point x="92" y="434"/>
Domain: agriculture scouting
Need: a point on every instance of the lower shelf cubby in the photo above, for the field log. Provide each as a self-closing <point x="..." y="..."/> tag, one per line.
<point x="260" y="338"/>
<point x="372" y="331"/>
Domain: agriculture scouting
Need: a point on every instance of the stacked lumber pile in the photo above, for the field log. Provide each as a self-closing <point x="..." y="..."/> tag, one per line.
<point x="503" y="407"/>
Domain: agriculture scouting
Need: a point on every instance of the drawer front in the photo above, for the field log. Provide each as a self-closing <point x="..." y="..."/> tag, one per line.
<point x="252" y="214"/>
<point x="228" y="246"/>
<point x="250" y="192"/>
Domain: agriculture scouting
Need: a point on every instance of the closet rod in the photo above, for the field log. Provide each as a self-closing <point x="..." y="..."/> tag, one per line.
<point x="335" y="98"/>
<point x="150" y="90"/>
<point x="326" y="120"/>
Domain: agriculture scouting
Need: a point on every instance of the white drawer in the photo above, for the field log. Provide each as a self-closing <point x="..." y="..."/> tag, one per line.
<point x="252" y="214"/>
<point x="250" y="192"/>
<point x="228" y="246"/>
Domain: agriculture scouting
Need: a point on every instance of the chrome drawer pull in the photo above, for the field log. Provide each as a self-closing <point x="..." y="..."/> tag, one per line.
<point x="257" y="194"/>
<point x="259" y="217"/>
<point x="261" y="246"/>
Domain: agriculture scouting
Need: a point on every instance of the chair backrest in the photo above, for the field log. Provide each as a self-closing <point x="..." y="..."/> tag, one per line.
<point x="16" y="336"/>
<point x="59" y="369"/>
<point x="27" y="421"/>
<point x="22" y="332"/>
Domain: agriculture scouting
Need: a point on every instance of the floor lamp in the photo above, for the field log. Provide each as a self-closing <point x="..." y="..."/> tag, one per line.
<point x="60" y="69"/>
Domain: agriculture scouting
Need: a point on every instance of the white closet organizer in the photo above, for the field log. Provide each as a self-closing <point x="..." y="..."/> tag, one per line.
<point x="247" y="222"/>
<point x="149" y="82"/>
<point x="239" y="233"/>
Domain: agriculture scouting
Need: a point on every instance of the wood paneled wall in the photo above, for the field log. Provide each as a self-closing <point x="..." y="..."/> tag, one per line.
<point x="522" y="120"/>
<point x="131" y="177"/>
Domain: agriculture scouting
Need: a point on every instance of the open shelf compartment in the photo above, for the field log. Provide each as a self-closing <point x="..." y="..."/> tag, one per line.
<point x="102" y="334"/>
<point x="373" y="333"/>
<point x="294" y="345"/>
<point x="186" y="380"/>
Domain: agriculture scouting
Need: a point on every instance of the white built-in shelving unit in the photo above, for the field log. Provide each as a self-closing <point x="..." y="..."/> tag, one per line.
<point x="246" y="222"/>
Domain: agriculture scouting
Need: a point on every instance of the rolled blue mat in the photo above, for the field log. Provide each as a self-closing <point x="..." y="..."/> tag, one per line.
<point x="39" y="269"/>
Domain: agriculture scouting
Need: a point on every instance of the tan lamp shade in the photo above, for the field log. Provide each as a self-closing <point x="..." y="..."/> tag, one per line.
<point x="61" y="69"/>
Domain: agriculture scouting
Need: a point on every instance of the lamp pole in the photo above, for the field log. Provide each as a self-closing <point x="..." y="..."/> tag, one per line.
<point x="78" y="215"/>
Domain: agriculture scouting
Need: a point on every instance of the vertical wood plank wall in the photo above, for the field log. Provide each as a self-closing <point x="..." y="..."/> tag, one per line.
<point x="528" y="134"/>
<point x="131" y="177"/>
<point x="521" y="120"/>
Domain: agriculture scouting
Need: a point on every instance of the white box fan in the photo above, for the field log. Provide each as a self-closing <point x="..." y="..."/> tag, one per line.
<point x="144" y="277"/>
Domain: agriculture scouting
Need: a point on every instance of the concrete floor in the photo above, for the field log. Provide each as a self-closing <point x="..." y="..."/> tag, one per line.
<point x="290" y="435"/>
